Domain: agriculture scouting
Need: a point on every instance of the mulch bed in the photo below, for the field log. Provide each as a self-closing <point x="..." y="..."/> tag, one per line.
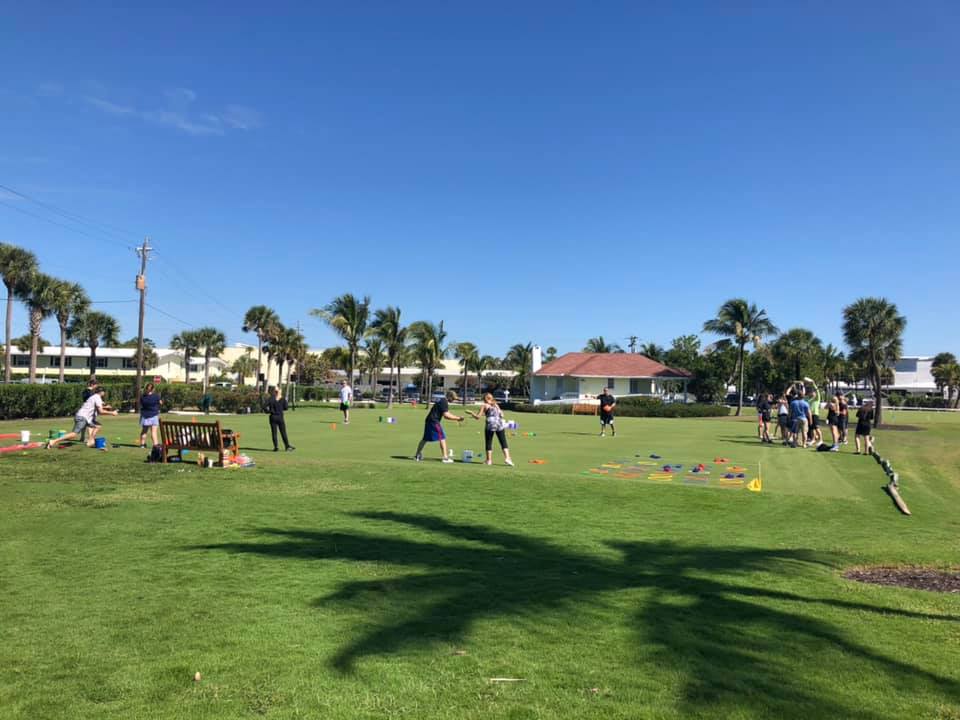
<point x="918" y="578"/>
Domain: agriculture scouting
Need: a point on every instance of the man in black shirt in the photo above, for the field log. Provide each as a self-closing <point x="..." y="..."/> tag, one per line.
<point x="433" y="429"/>
<point x="607" y="403"/>
<point x="276" y="404"/>
<point x="763" y="416"/>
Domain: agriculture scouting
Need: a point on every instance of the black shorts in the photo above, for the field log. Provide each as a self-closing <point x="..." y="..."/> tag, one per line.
<point x="765" y="417"/>
<point x="606" y="418"/>
<point x="344" y="406"/>
<point x="784" y="421"/>
<point x="863" y="431"/>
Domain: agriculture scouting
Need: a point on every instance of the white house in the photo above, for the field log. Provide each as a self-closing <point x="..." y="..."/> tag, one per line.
<point x="580" y="375"/>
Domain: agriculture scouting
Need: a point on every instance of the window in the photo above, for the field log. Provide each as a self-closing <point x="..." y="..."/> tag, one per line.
<point x="611" y="383"/>
<point x="101" y="362"/>
<point x="21" y="361"/>
<point x="196" y="367"/>
<point x="635" y="387"/>
<point x="129" y="364"/>
<point x="55" y="361"/>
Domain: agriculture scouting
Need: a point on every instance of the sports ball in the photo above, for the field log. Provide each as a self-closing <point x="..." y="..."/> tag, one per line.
<point x="607" y="408"/>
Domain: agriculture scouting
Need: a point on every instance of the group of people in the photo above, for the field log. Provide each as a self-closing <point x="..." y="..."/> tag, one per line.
<point x="495" y="425"/>
<point x="798" y="419"/>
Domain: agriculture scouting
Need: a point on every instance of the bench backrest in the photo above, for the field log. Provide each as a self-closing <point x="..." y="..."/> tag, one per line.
<point x="584" y="409"/>
<point x="189" y="435"/>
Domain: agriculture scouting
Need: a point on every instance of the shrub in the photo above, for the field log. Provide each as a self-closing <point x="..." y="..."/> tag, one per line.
<point x="636" y="407"/>
<point x="38" y="401"/>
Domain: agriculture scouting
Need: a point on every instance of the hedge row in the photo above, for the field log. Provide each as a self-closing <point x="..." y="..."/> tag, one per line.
<point x="637" y="407"/>
<point x="38" y="401"/>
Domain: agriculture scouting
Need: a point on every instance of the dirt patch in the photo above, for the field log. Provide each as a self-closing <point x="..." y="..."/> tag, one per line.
<point x="904" y="428"/>
<point x="918" y="578"/>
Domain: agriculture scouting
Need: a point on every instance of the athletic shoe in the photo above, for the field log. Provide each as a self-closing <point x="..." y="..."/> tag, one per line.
<point x="276" y="449"/>
<point x="835" y="448"/>
<point x="447" y="460"/>
<point x="488" y="462"/>
<point x="508" y="462"/>
<point x="602" y="435"/>
<point x="291" y="448"/>
<point x="418" y="457"/>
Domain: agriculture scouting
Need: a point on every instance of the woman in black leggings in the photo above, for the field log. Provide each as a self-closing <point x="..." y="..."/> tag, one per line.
<point x="495" y="425"/>
<point x="276" y="404"/>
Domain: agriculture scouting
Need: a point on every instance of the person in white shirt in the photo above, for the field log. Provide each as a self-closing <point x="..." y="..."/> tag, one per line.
<point x="346" y="397"/>
<point x="85" y="419"/>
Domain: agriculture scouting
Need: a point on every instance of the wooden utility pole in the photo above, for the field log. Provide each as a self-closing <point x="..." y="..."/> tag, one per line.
<point x="144" y="252"/>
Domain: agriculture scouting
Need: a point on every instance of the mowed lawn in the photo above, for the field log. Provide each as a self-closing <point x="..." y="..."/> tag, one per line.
<point x="346" y="581"/>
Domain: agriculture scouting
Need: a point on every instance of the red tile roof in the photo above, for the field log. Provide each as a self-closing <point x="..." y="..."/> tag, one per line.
<point x="616" y="365"/>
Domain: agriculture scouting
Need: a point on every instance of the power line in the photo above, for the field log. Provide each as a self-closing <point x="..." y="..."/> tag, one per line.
<point x="58" y="224"/>
<point x="197" y="287"/>
<point x="172" y="317"/>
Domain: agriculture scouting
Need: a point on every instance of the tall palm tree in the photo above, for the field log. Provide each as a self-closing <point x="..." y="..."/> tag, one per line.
<point x="188" y="343"/>
<point x="740" y="322"/>
<point x="551" y="354"/>
<point x="468" y="355"/>
<point x="69" y="301"/>
<point x="260" y="320"/>
<point x="347" y="316"/>
<point x="943" y="377"/>
<point x="520" y="359"/>
<point x="653" y="351"/>
<point x="287" y="347"/>
<point x="373" y="359"/>
<point x="244" y="366"/>
<point x="93" y="329"/>
<point x="599" y="345"/>
<point x="832" y="364"/>
<point x="429" y="348"/>
<point x="873" y="329"/>
<point x="484" y="362"/>
<point x="213" y="343"/>
<point x="387" y="326"/>
<point x="16" y="265"/>
<point x="796" y="349"/>
<point x="947" y="377"/>
<point x="37" y="293"/>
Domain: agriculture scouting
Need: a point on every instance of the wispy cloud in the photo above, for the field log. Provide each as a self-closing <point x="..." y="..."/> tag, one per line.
<point x="177" y="111"/>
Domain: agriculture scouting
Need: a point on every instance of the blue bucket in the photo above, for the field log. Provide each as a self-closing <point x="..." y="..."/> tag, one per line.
<point x="100" y="443"/>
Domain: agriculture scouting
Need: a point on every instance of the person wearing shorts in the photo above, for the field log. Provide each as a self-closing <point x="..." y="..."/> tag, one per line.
<point x="763" y="417"/>
<point x="84" y="418"/>
<point x="433" y="426"/>
<point x="844" y="414"/>
<point x="150" y="416"/>
<point x="833" y="422"/>
<point x="495" y="425"/>
<point x="865" y="417"/>
<point x="814" y="436"/>
<point x="783" y="419"/>
<point x="607" y="405"/>
<point x="800" y="416"/>
<point x="346" y="397"/>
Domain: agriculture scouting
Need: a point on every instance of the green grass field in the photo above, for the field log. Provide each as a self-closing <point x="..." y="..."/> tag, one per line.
<point x="346" y="581"/>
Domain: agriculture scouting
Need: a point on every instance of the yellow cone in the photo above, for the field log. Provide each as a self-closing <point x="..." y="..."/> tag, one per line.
<point x="755" y="485"/>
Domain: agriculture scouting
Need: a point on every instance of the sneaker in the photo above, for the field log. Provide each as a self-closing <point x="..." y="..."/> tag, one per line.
<point x="291" y="448"/>
<point x="601" y="435"/>
<point x="508" y="462"/>
<point x="418" y="457"/>
<point x="835" y="448"/>
<point x="447" y="460"/>
<point x="276" y="449"/>
<point x="488" y="462"/>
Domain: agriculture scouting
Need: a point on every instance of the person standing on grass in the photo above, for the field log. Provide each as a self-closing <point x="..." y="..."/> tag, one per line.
<point x="865" y="417"/>
<point x="433" y="427"/>
<point x="813" y="400"/>
<point x="833" y="421"/>
<point x="763" y="416"/>
<point x="276" y="405"/>
<point x="346" y="397"/>
<point x="495" y="425"/>
<point x="84" y="418"/>
<point x="783" y="415"/>
<point x="844" y="413"/>
<point x="150" y="403"/>
<point x="800" y="412"/>
<point x="607" y="405"/>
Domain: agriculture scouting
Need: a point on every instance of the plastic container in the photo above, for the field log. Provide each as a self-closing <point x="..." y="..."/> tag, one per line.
<point x="24" y="436"/>
<point x="468" y="456"/>
<point x="100" y="443"/>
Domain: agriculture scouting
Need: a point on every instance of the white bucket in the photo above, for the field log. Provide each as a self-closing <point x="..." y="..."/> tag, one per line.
<point x="24" y="436"/>
<point x="468" y="456"/>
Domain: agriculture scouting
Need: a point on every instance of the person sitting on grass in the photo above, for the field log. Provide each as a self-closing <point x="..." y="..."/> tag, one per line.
<point x="607" y="403"/>
<point x="495" y="425"/>
<point x="85" y="419"/>
<point x="433" y="428"/>
<point x="865" y="417"/>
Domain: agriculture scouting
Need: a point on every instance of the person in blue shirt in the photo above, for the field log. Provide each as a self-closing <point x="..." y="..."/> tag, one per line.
<point x="150" y="403"/>
<point x="800" y="414"/>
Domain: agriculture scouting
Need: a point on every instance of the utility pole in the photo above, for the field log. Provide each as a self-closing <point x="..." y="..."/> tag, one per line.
<point x="144" y="252"/>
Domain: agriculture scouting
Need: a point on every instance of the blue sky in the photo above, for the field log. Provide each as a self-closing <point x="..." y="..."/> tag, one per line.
<point x="538" y="172"/>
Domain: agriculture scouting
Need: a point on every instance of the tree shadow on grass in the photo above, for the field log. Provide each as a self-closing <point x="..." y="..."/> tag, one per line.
<point x="737" y="646"/>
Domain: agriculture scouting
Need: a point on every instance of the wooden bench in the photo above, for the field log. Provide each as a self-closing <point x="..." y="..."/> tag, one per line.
<point x="178" y="435"/>
<point x="585" y="409"/>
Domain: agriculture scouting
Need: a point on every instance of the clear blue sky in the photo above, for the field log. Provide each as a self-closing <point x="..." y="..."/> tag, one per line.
<point x="524" y="171"/>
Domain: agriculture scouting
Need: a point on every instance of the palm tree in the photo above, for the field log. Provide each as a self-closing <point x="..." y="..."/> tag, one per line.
<point x="943" y="377"/>
<point x="288" y="347"/>
<point x="387" y="326"/>
<point x="37" y="293"/>
<point x="149" y="358"/>
<point x="260" y="320"/>
<point x="92" y="329"/>
<point x="796" y="347"/>
<point x="740" y="322"/>
<point x="373" y="359"/>
<point x="347" y="316"/>
<point x="520" y="359"/>
<point x="653" y="351"/>
<point x="213" y="343"/>
<point x="873" y="330"/>
<point x="484" y="362"/>
<point x="16" y="265"/>
<point x="187" y="342"/>
<point x="832" y="364"/>
<point x="429" y="349"/>
<point x="599" y="345"/>
<point x="551" y="354"/>
<point x="69" y="301"/>
<point x="244" y="366"/>
<point x="468" y="355"/>
<point x="947" y="377"/>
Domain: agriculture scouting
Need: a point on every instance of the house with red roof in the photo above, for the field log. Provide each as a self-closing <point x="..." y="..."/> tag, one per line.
<point x="579" y="375"/>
